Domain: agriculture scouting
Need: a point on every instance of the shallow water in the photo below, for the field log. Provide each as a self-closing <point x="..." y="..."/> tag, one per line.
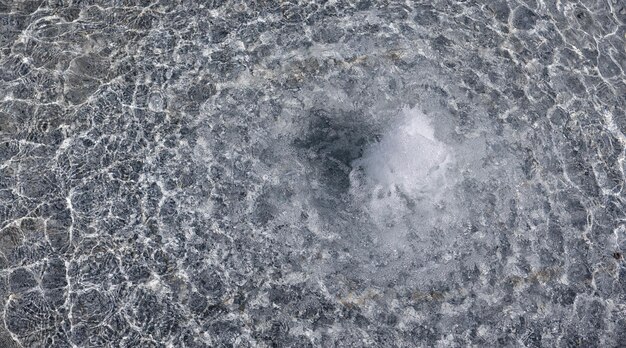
<point x="326" y="173"/>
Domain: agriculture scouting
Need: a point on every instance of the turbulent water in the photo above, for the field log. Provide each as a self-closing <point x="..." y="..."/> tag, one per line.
<point x="312" y="173"/>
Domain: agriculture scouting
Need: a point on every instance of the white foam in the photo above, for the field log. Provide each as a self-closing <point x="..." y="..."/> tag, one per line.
<point x="402" y="178"/>
<point x="408" y="156"/>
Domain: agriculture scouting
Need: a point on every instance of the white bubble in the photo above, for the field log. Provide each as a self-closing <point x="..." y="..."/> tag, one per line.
<point x="156" y="102"/>
<point x="402" y="179"/>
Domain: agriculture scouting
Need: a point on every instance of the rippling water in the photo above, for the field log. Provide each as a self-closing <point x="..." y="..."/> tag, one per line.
<point x="323" y="173"/>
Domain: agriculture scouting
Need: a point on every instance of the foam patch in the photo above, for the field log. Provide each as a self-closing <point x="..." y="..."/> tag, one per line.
<point x="403" y="178"/>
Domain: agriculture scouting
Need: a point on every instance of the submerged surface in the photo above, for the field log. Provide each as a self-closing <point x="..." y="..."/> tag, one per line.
<point x="328" y="173"/>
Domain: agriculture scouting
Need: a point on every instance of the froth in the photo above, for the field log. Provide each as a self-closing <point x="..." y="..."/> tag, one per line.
<point x="401" y="180"/>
